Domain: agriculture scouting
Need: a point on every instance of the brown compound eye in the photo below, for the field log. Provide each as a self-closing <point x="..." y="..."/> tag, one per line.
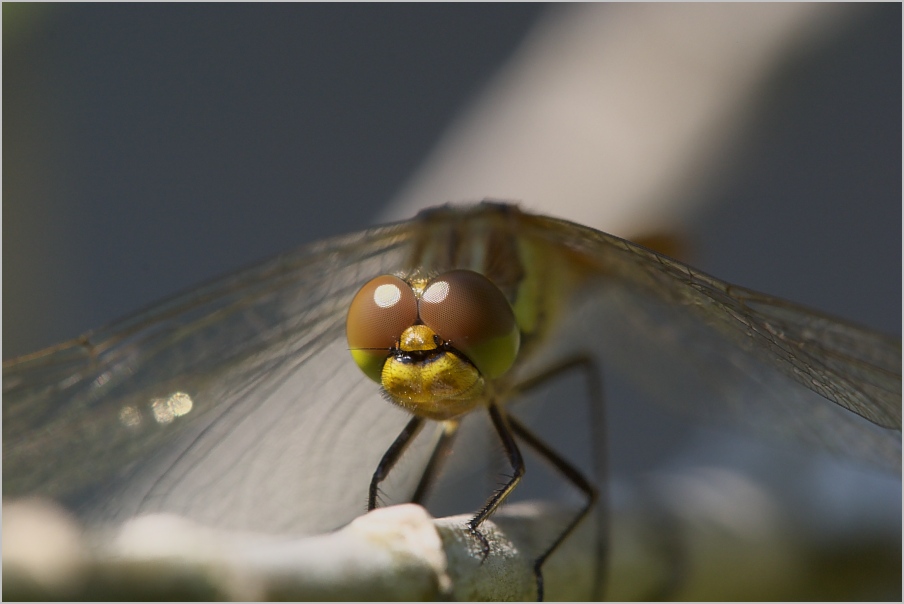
<point x="467" y="310"/>
<point x="377" y="316"/>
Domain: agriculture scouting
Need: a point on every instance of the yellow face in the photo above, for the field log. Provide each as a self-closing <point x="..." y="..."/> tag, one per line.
<point x="433" y="343"/>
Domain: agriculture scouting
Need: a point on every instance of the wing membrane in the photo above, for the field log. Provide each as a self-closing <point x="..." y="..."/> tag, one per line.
<point x="262" y="356"/>
<point x="284" y="431"/>
<point x="855" y="367"/>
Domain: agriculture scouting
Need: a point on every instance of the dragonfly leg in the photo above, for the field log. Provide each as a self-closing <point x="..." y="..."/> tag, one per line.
<point x="500" y="422"/>
<point x="392" y="455"/>
<point x="588" y="367"/>
<point x="573" y="475"/>
<point x="431" y="471"/>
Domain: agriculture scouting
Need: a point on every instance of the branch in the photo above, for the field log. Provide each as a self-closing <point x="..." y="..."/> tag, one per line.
<point x="401" y="553"/>
<point x="396" y="553"/>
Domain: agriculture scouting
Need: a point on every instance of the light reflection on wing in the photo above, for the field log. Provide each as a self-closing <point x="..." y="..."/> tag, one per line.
<point x="283" y="432"/>
<point x="278" y="410"/>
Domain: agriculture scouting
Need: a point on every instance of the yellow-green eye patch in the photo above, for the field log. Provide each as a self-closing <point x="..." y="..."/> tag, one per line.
<point x="470" y="313"/>
<point x="377" y="316"/>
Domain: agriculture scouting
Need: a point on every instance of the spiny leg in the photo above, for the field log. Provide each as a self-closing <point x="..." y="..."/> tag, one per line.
<point x="391" y="457"/>
<point x="587" y="365"/>
<point x="572" y="474"/>
<point x="500" y="423"/>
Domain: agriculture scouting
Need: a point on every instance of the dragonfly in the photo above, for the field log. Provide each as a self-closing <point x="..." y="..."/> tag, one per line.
<point x="239" y="404"/>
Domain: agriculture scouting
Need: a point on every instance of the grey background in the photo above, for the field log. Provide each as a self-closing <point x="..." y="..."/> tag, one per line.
<point x="150" y="147"/>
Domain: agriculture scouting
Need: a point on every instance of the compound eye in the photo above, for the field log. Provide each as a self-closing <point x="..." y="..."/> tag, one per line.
<point x="377" y="316"/>
<point x="470" y="313"/>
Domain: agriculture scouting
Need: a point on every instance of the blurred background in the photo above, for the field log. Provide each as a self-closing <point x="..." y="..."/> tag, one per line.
<point x="148" y="148"/>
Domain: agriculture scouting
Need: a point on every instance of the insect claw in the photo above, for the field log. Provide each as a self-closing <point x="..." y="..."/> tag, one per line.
<point x="484" y="542"/>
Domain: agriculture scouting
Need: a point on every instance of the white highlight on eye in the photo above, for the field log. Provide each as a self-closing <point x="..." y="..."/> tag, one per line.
<point x="437" y="292"/>
<point x="387" y="295"/>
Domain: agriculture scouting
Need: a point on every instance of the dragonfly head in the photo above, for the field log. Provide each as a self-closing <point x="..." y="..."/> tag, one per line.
<point x="433" y="343"/>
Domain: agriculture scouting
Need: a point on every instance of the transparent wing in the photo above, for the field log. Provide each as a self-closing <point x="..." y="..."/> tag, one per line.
<point x="283" y="432"/>
<point x="703" y="345"/>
